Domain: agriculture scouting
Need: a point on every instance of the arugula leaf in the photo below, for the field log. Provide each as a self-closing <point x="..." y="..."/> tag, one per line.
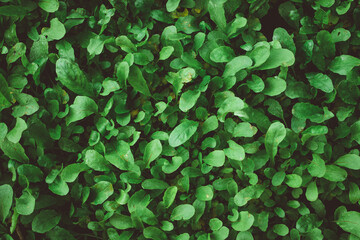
<point x="182" y="133"/>
<point x="72" y="77"/>
<point x="349" y="221"/>
<point x="49" y="5"/>
<point x="137" y="81"/>
<point x="81" y="108"/>
<point x="274" y="136"/>
<point x="6" y="198"/>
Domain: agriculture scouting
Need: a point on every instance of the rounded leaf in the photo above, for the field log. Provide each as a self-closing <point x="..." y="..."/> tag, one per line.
<point x="204" y="193"/>
<point x="245" y="222"/>
<point x="182" y="133"/>
<point x="49" y="5"/>
<point x="293" y="180"/>
<point x="222" y="54"/>
<point x="281" y="229"/>
<point x="182" y="212"/>
<point x="45" y="221"/>
<point x="6" y="199"/>
<point x="215" y="158"/>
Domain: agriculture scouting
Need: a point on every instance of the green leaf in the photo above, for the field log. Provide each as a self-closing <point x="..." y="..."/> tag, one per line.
<point x="281" y="229"/>
<point x="293" y="180"/>
<point x="317" y="166"/>
<point x="215" y="224"/>
<point x="154" y="184"/>
<point x="312" y="192"/>
<point x="16" y="52"/>
<point x="14" y="151"/>
<point x="307" y="110"/>
<point x="187" y="24"/>
<point x="229" y="105"/>
<point x="39" y="50"/>
<point x="125" y="44"/>
<point x="350" y="161"/>
<point x="182" y="212"/>
<point x="182" y="133"/>
<point x="278" y="178"/>
<point x="45" y="221"/>
<point x="56" y="31"/>
<point x="199" y="40"/>
<point x="65" y="50"/>
<point x="96" y="161"/>
<point x="15" y="134"/>
<point x="235" y="65"/>
<point x="122" y="73"/>
<point x="335" y="174"/>
<point x="350" y="222"/>
<point x="222" y="54"/>
<point x="188" y="100"/>
<point x="81" y="108"/>
<point x="274" y="136"/>
<point x="119" y="154"/>
<point x="166" y="52"/>
<point x="25" y="204"/>
<point x="154" y="233"/>
<point x="13" y="10"/>
<point x="58" y="233"/>
<point x="210" y="124"/>
<point x="327" y="46"/>
<point x="340" y="35"/>
<point x="121" y="222"/>
<point x="109" y="86"/>
<point x="72" y="77"/>
<point x="173" y="166"/>
<point x="246" y="194"/>
<point x="171" y="5"/>
<point x="6" y="199"/>
<point x="233" y="29"/>
<point x="5" y="98"/>
<point x="355" y="130"/>
<point x="255" y="83"/>
<point x="105" y="15"/>
<point x="59" y="187"/>
<point x="235" y="151"/>
<point x="27" y="105"/>
<point x="169" y="196"/>
<point x="101" y="191"/>
<point x="3" y="132"/>
<point x="286" y="41"/>
<point x="245" y="222"/>
<point x="144" y="57"/>
<point x="274" y="86"/>
<point x="204" y="193"/>
<point x="49" y="5"/>
<point x="244" y="129"/>
<point x="152" y="151"/>
<point x="71" y="172"/>
<point x="260" y="54"/>
<point x="96" y="45"/>
<point x="320" y="81"/>
<point x="354" y="193"/>
<point x="306" y="223"/>
<point x="343" y="64"/>
<point x="277" y="58"/>
<point x="325" y="3"/>
<point x="137" y="81"/>
<point x="217" y="13"/>
<point x="31" y="172"/>
<point x="215" y="158"/>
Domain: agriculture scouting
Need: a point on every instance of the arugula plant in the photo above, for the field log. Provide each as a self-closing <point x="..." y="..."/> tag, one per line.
<point x="179" y="119"/>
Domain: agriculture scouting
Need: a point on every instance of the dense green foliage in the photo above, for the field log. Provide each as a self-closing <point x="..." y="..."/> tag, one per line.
<point x="179" y="119"/>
